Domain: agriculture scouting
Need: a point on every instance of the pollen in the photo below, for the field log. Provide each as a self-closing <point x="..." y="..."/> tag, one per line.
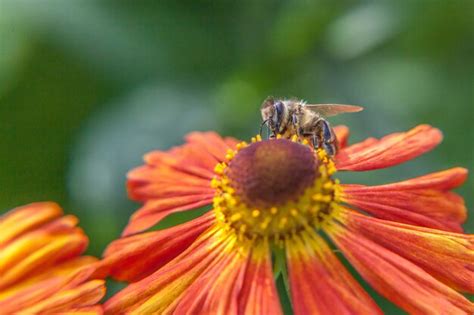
<point x="275" y="189"/>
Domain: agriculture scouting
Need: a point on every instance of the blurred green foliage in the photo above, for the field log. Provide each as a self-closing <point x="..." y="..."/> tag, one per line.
<point x="87" y="87"/>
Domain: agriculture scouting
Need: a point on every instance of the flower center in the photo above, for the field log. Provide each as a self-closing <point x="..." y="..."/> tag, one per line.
<point x="274" y="189"/>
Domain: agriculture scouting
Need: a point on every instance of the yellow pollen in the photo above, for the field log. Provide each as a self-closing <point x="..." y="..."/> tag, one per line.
<point x="215" y="183"/>
<point x="283" y="222"/>
<point x="255" y="213"/>
<point x="219" y="169"/>
<point x="235" y="217"/>
<point x="312" y="210"/>
<point x="230" y="154"/>
<point x="241" y="145"/>
<point x="265" y="223"/>
<point x="257" y="138"/>
<point x="328" y="185"/>
<point x="317" y="197"/>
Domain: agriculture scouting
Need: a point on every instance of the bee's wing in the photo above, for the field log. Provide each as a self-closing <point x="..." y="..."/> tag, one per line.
<point x="327" y="110"/>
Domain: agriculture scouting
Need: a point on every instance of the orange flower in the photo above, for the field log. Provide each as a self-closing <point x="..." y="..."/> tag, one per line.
<point x="40" y="264"/>
<point x="403" y="238"/>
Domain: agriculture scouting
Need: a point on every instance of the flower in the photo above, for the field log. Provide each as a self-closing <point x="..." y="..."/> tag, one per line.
<point x="279" y="195"/>
<point x="40" y="264"/>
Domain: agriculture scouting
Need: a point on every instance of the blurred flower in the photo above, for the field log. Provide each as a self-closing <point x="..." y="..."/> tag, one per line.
<point x="403" y="238"/>
<point x="40" y="264"/>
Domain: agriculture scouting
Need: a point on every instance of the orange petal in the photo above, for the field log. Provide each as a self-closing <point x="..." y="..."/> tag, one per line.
<point x="135" y="257"/>
<point x="168" y="190"/>
<point x="430" y="249"/>
<point x="390" y="150"/>
<point x="231" y="142"/>
<point x="37" y="250"/>
<point x="61" y="277"/>
<point x="443" y="180"/>
<point x="238" y="284"/>
<point x="212" y="142"/>
<point x="258" y="294"/>
<point x="25" y="218"/>
<point x="423" y="201"/>
<point x="87" y="310"/>
<point x="147" y="182"/>
<point x="41" y="270"/>
<point x="217" y="290"/>
<point x="86" y="294"/>
<point x="398" y="279"/>
<point x="342" y="135"/>
<point x="199" y="161"/>
<point x="155" y="210"/>
<point x="198" y="156"/>
<point x="177" y="180"/>
<point x="161" y="290"/>
<point x="320" y="284"/>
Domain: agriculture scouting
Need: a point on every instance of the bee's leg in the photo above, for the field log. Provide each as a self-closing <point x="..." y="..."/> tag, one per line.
<point x="330" y="148"/>
<point x="316" y="143"/>
<point x="329" y="138"/>
<point x="327" y="132"/>
<point x="294" y="121"/>
<point x="264" y="123"/>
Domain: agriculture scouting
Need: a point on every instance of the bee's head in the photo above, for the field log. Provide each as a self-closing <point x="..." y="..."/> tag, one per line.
<point x="272" y="113"/>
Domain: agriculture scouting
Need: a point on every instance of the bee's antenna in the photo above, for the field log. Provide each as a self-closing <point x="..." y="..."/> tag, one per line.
<point x="261" y="126"/>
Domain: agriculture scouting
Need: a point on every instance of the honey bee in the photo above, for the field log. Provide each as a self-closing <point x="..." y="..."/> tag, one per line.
<point x="307" y="121"/>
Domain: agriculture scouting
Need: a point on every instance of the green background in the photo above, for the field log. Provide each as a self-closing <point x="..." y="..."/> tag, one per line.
<point x="87" y="87"/>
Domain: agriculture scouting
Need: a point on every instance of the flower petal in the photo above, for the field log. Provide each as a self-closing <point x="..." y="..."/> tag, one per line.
<point x="35" y="251"/>
<point x="398" y="279"/>
<point x="157" y="292"/>
<point x="430" y="249"/>
<point x="319" y="282"/>
<point x="389" y="151"/>
<point x="176" y="180"/>
<point x="198" y="156"/>
<point x="32" y="290"/>
<point x="25" y="218"/>
<point x="188" y="159"/>
<point x="423" y="201"/>
<point x="135" y="257"/>
<point x="87" y="310"/>
<point x="86" y="294"/>
<point x="342" y="135"/>
<point x="155" y="210"/>
<point x="41" y="270"/>
<point x="258" y="294"/>
<point x="216" y="291"/>
<point x="212" y="142"/>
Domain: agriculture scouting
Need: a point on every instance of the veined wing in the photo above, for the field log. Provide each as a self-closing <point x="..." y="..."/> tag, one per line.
<point x="328" y="110"/>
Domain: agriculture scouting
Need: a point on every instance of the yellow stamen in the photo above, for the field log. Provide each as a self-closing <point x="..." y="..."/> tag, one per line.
<point x="314" y="209"/>
<point x="255" y="213"/>
<point x="235" y="217"/>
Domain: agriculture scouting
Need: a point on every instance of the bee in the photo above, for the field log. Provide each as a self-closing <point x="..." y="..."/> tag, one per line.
<point x="307" y="121"/>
